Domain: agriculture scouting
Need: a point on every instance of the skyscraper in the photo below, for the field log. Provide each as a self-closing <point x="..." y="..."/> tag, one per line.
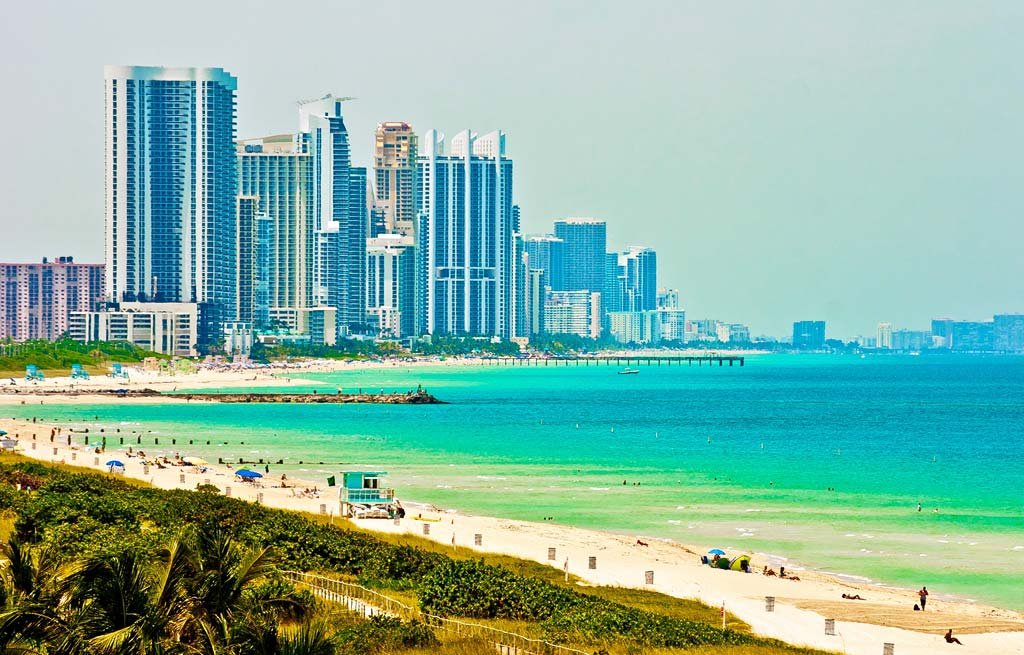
<point x="640" y="266"/>
<point x="883" y="336"/>
<point x="465" y="236"/>
<point x="613" y="296"/>
<point x="316" y="202"/>
<point x="277" y="171"/>
<point x="809" y="335"/>
<point x="546" y="255"/>
<point x="585" y="247"/>
<point x="170" y="188"/>
<point x="394" y="167"/>
<point x="390" y="280"/>
<point x="339" y="212"/>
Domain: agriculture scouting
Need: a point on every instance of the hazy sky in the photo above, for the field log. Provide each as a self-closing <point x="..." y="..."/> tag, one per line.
<point x="853" y="161"/>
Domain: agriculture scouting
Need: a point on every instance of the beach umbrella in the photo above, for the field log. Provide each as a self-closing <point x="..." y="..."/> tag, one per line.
<point x="247" y="474"/>
<point x="195" y="461"/>
<point x="716" y="551"/>
<point x="115" y="462"/>
<point x="3" y="433"/>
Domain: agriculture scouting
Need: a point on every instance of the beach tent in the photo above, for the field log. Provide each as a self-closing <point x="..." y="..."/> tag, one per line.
<point x="741" y="563"/>
<point x="246" y="474"/>
<point x="722" y="563"/>
<point x="3" y="433"/>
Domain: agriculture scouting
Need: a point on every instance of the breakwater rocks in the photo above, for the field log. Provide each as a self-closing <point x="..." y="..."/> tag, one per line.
<point x="418" y="397"/>
<point x="410" y="398"/>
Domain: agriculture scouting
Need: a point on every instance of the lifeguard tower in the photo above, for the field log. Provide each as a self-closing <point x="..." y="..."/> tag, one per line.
<point x="79" y="373"/>
<point x="363" y="495"/>
<point x="118" y="371"/>
<point x="33" y="374"/>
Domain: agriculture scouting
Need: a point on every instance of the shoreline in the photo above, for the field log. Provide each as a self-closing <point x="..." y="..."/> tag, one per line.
<point x="801" y="606"/>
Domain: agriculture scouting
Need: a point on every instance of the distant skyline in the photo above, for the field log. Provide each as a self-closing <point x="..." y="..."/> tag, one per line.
<point x="851" y="162"/>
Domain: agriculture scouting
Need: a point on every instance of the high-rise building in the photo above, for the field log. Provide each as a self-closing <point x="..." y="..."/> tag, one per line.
<point x="942" y="332"/>
<point x="534" y="295"/>
<point x="673" y="324"/>
<point x="390" y="280"/>
<point x="316" y="202"/>
<point x="643" y="327"/>
<point x="584" y="253"/>
<point x="170" y="188"/>
<point x="809" y="335"/>
<point x="1009" y="332"/>
<point x="910" y="340"/>
<point x="613" y="296"/>
<point x="640" y="267"/>
<point x="465" y="236"/>
<point x="973" y="336"/>
<point x="38" y="298"/>
<point x="669" y="299"/>
<point x="546" y="255"/>
<point x="394" y="168"/>
<point x="255" y="247"/>
<point x="883" y="336"/>
<point x="339" y="214"/>
<point x="573" y="312"/>
<point x="277" y="171"/>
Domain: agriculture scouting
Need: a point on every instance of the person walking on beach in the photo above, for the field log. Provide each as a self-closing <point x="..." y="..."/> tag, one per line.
<point x="924" y="596"/>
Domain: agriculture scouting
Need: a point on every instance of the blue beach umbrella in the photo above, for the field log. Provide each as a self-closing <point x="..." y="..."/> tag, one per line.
<point x="115" y="462"/>
<point x="716" y="551"/>
<point x="3" y="433"/>
<point x="247" y="474"/>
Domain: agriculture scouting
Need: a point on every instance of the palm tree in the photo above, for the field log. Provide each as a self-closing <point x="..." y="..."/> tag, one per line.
<point x="202" y="594"/>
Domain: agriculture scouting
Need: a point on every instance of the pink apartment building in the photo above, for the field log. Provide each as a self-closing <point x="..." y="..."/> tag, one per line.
<point x="37" y="299"/>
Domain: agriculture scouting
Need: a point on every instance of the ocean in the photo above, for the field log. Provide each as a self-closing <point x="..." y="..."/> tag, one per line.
<point x="815" y="461"/>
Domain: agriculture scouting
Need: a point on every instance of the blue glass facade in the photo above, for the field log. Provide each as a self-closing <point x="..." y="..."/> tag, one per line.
<point x="584" y="252"/>
<point x="171" y="188"/>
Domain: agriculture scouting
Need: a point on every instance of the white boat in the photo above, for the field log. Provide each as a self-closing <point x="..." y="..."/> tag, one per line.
<point x="629" y="371"/>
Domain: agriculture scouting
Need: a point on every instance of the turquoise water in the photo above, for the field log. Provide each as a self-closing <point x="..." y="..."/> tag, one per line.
<point x="822" y="460"/>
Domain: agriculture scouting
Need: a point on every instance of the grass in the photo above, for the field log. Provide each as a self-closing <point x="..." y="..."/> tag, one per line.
<point x="459" y="645"/>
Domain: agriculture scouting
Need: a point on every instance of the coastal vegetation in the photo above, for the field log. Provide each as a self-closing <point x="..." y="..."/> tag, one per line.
<point x="56" y="357"/>
<point x="98" y="565"/>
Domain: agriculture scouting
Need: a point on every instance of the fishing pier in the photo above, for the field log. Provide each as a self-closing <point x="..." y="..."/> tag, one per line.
<point x="618" y="360"/>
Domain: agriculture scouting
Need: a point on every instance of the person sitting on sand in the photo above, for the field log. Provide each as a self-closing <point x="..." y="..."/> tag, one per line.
<point x="853" y="597"/>
<point x="950" y="639"/>
<point x="783" y="574"/>
<point x="769" y="572"/>
<point x="641" y="543"/>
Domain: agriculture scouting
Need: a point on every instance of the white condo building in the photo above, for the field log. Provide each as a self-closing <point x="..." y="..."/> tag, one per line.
<point x="465" y="232"/>
<point x="170" y="188"/>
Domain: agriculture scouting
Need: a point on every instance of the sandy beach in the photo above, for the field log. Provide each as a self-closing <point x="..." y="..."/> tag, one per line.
<point x="801" y="607"/>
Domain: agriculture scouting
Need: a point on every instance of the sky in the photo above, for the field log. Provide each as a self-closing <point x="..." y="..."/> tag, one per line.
<point x="850" y="161"/>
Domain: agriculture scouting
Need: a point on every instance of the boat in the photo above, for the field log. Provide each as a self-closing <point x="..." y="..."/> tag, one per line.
<point x="629" y="371"/>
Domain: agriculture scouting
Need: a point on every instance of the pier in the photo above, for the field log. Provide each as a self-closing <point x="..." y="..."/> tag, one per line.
<point x="618" y="360"/>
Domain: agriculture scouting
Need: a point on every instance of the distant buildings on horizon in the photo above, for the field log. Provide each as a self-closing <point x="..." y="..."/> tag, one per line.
<point x="1003" y="334"/>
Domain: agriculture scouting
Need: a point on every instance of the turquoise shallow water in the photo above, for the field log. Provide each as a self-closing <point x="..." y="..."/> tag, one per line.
<point x="820" y="459"/>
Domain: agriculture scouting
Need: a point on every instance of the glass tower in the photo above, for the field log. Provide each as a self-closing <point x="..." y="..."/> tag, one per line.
<point x="171" y="188"/>
<point x="584" y="252"/>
